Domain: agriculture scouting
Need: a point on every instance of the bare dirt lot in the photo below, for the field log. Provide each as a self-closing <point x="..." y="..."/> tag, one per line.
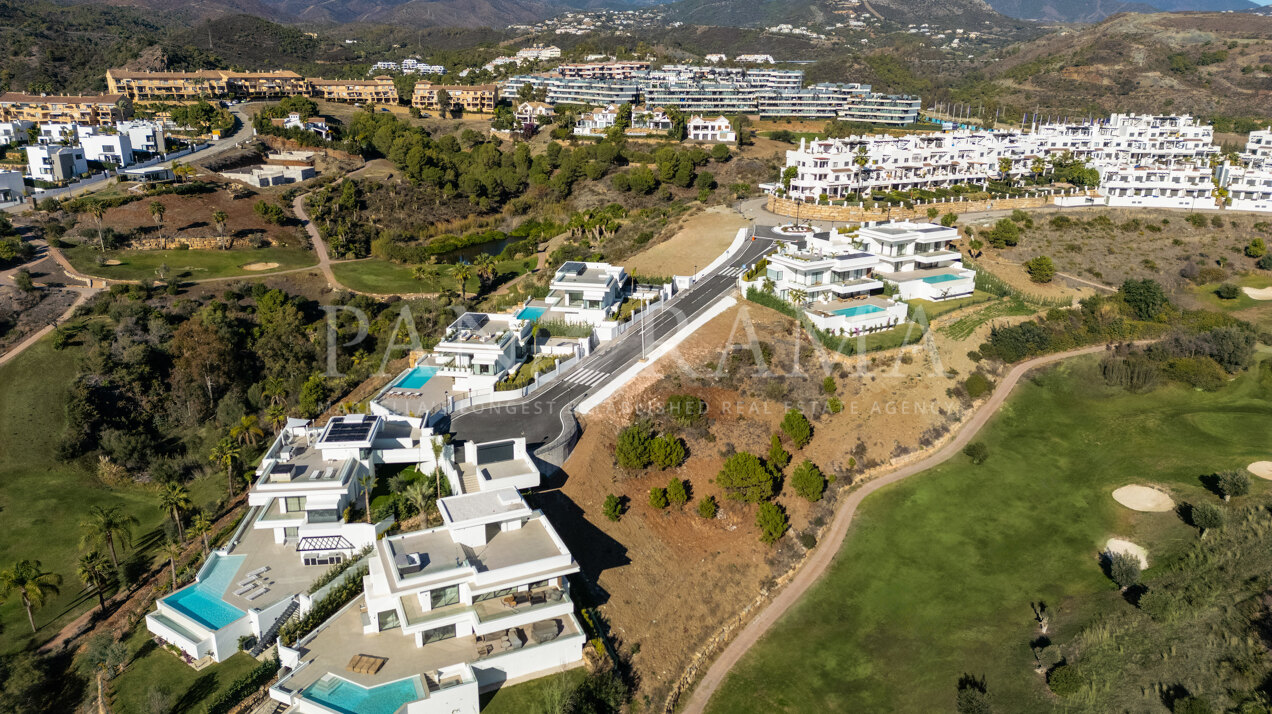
<point x="668" y="579"/>
<point x="697" y="241"/>
<point x="191" y="216"/>
<point x="23" y="313"/>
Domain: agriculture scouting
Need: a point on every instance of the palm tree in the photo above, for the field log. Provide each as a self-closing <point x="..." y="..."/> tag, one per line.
<point x="438" y="446"/>
<point x="156" y="212"/>
<point x="461" y="273"/>
<point x="172" y="551"/>
<point x="485" y="268"/>
<point x="769" y="285"/>
<point x="201" y="526"/>
<point x="367" y="482"/>
<point x="105" y="524"/>
<point x="276" y="389"/>
<point x="174" y="498"/>
<point x="93" y="569"/>
<point x="247" y="430"/>
<point x="276" y="415"/>
<point x="798" y="296"/>
<point x="420" y="272"/>
<point x="182" y="171"/>
<point x="31" y="583"/>
<point x="98" y="210"/>
<point x="219" y="218"/>
<point x="225" y="453"/>
<point x="417" y="495"/>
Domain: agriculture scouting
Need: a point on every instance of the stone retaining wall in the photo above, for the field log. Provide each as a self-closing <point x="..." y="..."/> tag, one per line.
<point x="857" y="214"/>
<point x="191" y="242"/>
<point x="278" y="143"/>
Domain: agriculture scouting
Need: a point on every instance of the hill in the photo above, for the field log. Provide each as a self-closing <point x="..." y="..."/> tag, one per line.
<point x="417" y="13"/>
<point x="743" y="13"/>
<point x="1204" y="64"/>
<point x="1096" y="10"/>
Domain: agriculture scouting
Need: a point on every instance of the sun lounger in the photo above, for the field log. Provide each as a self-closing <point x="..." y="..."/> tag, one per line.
<point x="245" y="589"/>
<point x="256" y="572"/>
<point x="366" y="664"/>
<point x="247" y="581"/>
<point x="258" y="593"/>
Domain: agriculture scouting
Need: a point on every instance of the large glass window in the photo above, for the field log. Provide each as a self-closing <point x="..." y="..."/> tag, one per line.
<point x="439" y="633"/>
<point x="292" y="504"/>
<point x="388" y="620"/>
<point x="444" y="596"/>
<point x="494" y="594"/>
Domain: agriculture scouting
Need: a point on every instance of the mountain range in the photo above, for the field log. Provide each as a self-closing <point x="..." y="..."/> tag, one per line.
<point x="1096" y="10"/>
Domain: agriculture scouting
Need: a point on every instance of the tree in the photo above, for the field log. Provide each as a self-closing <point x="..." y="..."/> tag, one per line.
<point x="1124" y="569"/>
<point x="1145" y="297"/>
<point x="707" y="507"/>
<point x="172" y="550"/>
<point x="797" y="296"/>
<point x="98" y="210"/>
<point x="808" y="481"/>
<point x="157" y="210"/>
<point x="276" y="416"/>
<point x="1065" y="680"/>
<point x="948" y="220"/>
<point x="219" y="218"/>
<point x="1041" y="269"/>
<point x="462" y="273"/>
<point x="366" y="482"/>
<point x="106" y="524"/>
<point x="634" y="443"/>
<point x="443" y="102"/>
<point x="613" y="507"/>
<point x="666" y="451"/>
<point x="972" y="697"/>
<point x="1207" y="517"/>
<point x="828" y="385"/>
<point x="720" y="153"/>
<point x="247" y="430"/>
<point x="31" y="584"/>
<point x="1232" y="483"/>
<point x="94" y="570"/>
<point x="225" y="453"/>
<point x="778" y="457"/>
<point x="658" y="497"/>
<point x="1257" y="248"/>
<point x="23" y="281"/>
<point x="201" y="526"/>
<point x="174" y="498"/>
<point x="183" y="171"/>
<point x="744" y="478"/>
<point x="772" y="522"/>
<point x="796" y="426"/>
<point x="677" y="493"/>
<point x="977" y="452"/>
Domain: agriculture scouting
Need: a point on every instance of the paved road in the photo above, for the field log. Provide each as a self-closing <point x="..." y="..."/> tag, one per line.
<point x="537" y="417"/>
<point x="828" y="548"/>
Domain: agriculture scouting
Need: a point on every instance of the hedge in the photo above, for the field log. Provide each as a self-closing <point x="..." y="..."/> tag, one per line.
<point x="293" y="630"/>
<point x="244" y="687"/>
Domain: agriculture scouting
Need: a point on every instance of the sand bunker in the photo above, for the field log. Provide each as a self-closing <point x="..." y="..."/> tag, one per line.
<point x="1262" y="469"/>
<point x="260" y="266"/>
<point x="1259" y="293"/>
<point x="1143" y="498"/>
<point x="112" y="261"/>
<point x="1117" y="545"/>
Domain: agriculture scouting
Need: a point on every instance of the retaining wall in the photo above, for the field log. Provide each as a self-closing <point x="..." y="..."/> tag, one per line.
<point x="816" y="212"/>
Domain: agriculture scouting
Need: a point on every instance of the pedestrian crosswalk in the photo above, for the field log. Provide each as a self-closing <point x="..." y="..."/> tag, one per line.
<point x="589" y="377"/>
<point x="732" y="272"/>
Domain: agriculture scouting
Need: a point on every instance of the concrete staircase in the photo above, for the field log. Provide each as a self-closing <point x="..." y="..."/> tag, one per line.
<point x="268" y="637"/>
<point x="470" y="483"/>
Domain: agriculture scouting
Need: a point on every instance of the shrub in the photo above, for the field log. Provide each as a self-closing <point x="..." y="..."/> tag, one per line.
<point x="744" y="478"/>
<point x="1256" y="248"/>
<point x="1124" y="569"/>
<point x="1041" y="269"/>
<point x="1145" y="298"/>
<point x="796" y="426"/>
<point x="658" y="497"/>
<point x="1228" y="291"/>
<point x="1064" y="680"/>
<point x="633" y="447"/>
<point x="613" y="507"/>
<point x="1004" y="233"/>
<point x="772" y="522"/>
<point x="707" y="507"/>
<point x="949" y="219"/>
<point x="1160" y="604"/>
<point x="977" y="385"/>
<point x="667" y="451"/>
<point x="778" y="457"/>
<point x="686" y="409"/>
<point x="808" y="540"/>
<point x="1206" y="517"/>
<point x="677" y="493"/>
<point x="834" y="405"/>
<point x="244" y="686"/>
<point x="1232" y="483"/>
<point x="808" y="481"/>
<point x="977" y="452"/>
<point x="1196" y="220"/>
<point x="1197" y="372"/>
<point x="1265" y="263"/>
<point x="1192" y="705"/>
<point x="828" y="385"/>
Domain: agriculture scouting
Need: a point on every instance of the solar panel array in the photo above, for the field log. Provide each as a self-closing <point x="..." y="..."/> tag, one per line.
<point x="471" y="321"/>
<point x="344" y="431"/>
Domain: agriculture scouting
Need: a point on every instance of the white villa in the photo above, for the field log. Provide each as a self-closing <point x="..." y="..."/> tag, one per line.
<point x="446" y="613"/>
<point x="718" y="129"/>
<point x="479" y="348"/>
<point x="47" y="162"/>
<point x="15" y="132"/>
<point x="108" y="148"/>
<point x="644" y="121"/>
<point x="582" y="292"/>
<point x="532" y="112"/>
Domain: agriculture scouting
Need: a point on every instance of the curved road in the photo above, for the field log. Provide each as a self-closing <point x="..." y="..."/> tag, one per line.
<point x="829" y="546"/>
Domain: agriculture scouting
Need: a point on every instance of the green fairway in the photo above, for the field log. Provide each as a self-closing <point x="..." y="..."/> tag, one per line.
<point x="42" y="500"/>
<point x="380" y="276"/>
<point x="154" y="676"/>
<point x="185" y="264"/>
<point x="538" y="695"/>
<point x="937" y="574"/>
<point x="1243" y="305"/>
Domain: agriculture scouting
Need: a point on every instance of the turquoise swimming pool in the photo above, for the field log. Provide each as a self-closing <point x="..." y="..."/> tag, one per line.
<point x="341" y="695"/>
<point x="942" y="278"/>
<point x="202" y="601"/>
<point x="531" y="313"/>
<point x="417" y="377"/>
<point x="857" y="310"/>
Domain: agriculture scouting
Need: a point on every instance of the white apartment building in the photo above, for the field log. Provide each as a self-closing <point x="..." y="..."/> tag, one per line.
<point x="1180" y="186"/>
<point x="12" y="187"/>
<point x="643" y="121"/>
<point x="539" y="52"/>
<point x="755" y="59"/>
<point x="718" y="129"/>
<point x="144" y="136"/>
<point x="1249" y="187"/>
<point x="56" y="133"/>
<point x="446" y="613"/>
<point x="108" y="148"/>
<point x="55" y="163"/>
<point x="15" y="132"/>
<point x="479" y="348"/>
<point x="1258" y="147"/>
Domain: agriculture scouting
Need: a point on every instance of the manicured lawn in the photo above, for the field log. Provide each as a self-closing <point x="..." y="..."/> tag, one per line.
<point x="938" y="572"/>
<point x="380" y="276"/>
<point x="545" y="694"/>
<point x="1243" y="303"/>
<point x="42" y="500"/>
<point x="933" y="309"/>
<point x="155" y="675"/>
<point x="186" y="264"/>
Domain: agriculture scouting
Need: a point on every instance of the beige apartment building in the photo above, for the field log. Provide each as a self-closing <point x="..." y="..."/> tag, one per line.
<point x="212" y="83"/>
<point x="53" y="109"/>
<point x="379" y="90"/>
<point x="480" y="98"/>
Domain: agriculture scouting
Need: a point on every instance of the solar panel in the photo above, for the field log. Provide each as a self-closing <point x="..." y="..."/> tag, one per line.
<point x="471" y="321"/>
<point x="344" y="430"/>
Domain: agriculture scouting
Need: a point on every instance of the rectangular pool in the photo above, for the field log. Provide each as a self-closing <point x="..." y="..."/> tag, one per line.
<point x="417" y="377"/>
<point x="341" y="695"/>
<point x="942" y="278"/>
<point x="530" y="313"/>
<point x="202" y="601"/>
<point x="857" y="310"/>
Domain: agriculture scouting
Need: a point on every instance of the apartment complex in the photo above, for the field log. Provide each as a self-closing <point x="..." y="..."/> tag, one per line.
<point x="212" y="83"/>
<point x="379" y="90"/>
<point x="480" y="98"/>
<point x="48" y="162"/>
<point x="43" y="109"/>
<point x="602" y="70"/>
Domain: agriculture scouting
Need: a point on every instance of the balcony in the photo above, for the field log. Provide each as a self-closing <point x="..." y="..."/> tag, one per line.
<point x="521" y="603"/>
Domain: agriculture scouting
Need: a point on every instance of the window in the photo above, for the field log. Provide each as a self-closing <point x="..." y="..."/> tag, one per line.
<point x="292" y="504"/>
<point x="541" y="584"/>
<point x="494" y="594"/>
<point x="439" y="633"/>
<point x="388" y="620"/>
<point x="291" y="533"/>
<point x="444" y="597"/>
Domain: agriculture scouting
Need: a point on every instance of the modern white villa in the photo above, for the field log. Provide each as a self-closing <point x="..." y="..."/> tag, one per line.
<point x="446" y="613"/>
<point x="581" y="292"/>
<point x="478" y="350"/>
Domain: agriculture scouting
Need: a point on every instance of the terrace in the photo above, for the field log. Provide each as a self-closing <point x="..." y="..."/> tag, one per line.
<point x="285" y="577"/>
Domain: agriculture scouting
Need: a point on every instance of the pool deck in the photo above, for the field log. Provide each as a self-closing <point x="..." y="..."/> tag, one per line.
<point x="907" y="275"/>
<point x="828" y="308"/>
<point x="417" y="402"/>
<point x="286" y="575"/>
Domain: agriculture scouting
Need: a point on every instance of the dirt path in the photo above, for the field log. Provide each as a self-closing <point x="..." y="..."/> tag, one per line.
<point x="84" y="294"/>
<point x="826" y="551"/>
<point x="320" y="247"/>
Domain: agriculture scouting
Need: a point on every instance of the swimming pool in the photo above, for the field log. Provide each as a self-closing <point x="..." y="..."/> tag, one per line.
<point x="341" y="695"/>
<point x="942" y="278"/>
<point x="202" y="601"/>
<point x="857" y="310"/>
<point x="531" y="313"/>
<point x="417" y="377"/>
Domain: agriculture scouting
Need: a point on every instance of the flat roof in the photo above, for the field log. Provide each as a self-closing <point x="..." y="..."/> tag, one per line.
<point x="483" y="505"/>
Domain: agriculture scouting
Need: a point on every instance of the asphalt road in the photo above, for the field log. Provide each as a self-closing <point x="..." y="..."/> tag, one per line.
<point x="538" y="417"/>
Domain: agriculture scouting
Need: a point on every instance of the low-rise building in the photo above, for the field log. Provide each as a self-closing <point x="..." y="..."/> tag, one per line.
<point x="12" y="187"/>
<point x="480" y="98"/>
<point x="378" y="90"/>
<point x="533" y="112"/>
<point x="582" y="292"/>
<point x="479" y="348"/>
<point x="718" y="129"/>
<point x="539" y="52"/>
<point x="55" y="163"/>
<point x="1174" y="186"/>
<point x="147" y="136"/>
<point x="15" y="132"/>
<point x="43" y="109"/>
<point x="213" y="83"/>
<point x="1249" y="187"/>
<point x="108" y="148"/>
<point x="263" y="176"/>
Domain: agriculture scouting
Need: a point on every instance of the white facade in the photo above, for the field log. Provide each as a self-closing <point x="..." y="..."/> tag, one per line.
<point x="108" y="148"/>
<point x="144" y="135"/>
<point x="15" y="132"/>
<point x="57" y="133"/>
<point x="12" y="188"/>
<point x="1183" y="186"/>
<point x="479" y="349"/>
<point x="1249" y="187"/>
<point x="587" y="292"/>
<point x="718" y="129"/>
<point x="55" y="163"/>
<point x="262" y="176"/>
<point x="539" y="52"/>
